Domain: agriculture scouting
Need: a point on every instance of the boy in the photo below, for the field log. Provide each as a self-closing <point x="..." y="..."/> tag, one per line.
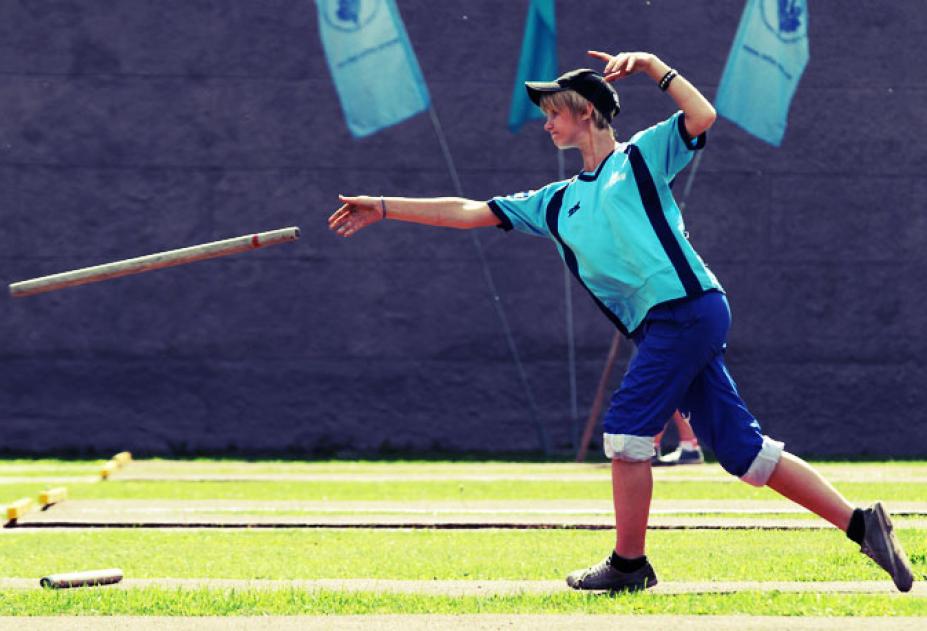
<point x="620" y="232"/>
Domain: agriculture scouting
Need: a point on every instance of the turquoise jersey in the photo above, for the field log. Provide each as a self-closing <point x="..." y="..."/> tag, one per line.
<point x="619" y="229"/>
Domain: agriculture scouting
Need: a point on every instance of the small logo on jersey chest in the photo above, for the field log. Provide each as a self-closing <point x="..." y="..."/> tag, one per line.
<point x="616" y="178"/>
<point x="573" y="210"/>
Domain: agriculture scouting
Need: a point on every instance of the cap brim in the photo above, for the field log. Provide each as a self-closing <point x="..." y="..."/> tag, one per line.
<point x="536" y="89"/>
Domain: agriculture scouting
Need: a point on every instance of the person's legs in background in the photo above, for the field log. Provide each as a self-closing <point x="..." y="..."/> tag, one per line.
<point x="687" y="451"/>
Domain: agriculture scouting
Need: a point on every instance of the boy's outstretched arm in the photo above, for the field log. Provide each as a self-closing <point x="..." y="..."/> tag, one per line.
<point x="359" y="212"/>
<point x="699" y="112"/>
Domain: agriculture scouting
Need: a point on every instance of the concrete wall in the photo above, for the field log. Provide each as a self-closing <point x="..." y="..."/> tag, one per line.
<point x="132" y="126"/>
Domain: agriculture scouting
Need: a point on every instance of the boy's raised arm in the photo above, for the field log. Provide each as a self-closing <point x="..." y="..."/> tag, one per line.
<point x="699" y="112"/>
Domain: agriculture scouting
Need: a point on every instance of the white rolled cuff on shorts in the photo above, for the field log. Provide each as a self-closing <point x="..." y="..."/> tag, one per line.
<point x="628" y="448"/>
<point x="765" y="462"/>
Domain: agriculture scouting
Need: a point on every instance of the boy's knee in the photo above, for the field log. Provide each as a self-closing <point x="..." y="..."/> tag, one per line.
<point x="755" y="471"/>
<point x="627" y="447"/>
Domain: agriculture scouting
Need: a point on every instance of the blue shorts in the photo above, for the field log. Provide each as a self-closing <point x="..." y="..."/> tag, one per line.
<point x="680" y="365"/>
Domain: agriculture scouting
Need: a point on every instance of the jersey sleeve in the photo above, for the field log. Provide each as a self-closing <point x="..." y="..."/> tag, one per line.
<point x="667" y="146"/>
<point x="526" y="212"/>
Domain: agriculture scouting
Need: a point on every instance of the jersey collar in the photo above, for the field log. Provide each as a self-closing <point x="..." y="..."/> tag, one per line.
<point x="591" y="177"/>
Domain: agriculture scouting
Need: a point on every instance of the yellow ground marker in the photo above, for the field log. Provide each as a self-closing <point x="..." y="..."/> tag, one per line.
<point x="18" y="508"/>
<point x="123" y="458"/>
<point x="108" y="469"/>
<point x="53" y="496"/>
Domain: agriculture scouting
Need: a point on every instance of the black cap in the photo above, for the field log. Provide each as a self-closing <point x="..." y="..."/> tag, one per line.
<point x="585" y="82"/>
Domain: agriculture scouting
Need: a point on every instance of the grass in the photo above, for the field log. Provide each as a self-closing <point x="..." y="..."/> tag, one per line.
<point x="734" y="555"/>
<point x="205" y="602"/>
<point x="887" y="481"/>
<point x="447" y="555"/>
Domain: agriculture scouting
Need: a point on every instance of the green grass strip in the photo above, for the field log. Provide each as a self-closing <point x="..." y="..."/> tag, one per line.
<point x="446" y="555"/>
<point x="205" y="602"/>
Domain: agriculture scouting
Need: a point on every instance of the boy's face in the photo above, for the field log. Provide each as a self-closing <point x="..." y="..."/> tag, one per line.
<point x="564" y="127"/>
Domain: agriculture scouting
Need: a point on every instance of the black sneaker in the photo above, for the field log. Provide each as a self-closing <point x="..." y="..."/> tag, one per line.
<point x="880" y="545"/>
<point x="605" y="577"/>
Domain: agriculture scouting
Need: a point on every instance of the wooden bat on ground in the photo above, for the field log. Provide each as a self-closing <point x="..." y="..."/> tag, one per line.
<point x="82" y="579"/>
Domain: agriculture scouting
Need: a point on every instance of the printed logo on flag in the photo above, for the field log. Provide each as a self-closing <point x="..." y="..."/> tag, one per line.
<point x="785" y="18"/>
<point x="350" y="15"/>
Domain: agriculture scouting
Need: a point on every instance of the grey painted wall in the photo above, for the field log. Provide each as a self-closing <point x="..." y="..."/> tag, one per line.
<point x="132" y="126"/>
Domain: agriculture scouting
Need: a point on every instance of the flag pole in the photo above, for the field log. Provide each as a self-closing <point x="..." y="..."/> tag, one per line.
<point x="491" y="285"/>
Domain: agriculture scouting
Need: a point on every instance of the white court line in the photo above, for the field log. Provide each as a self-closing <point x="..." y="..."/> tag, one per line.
<point x="154" y="510"/>
<point x="45" y="480"/>
<point x="572" y="478"/>
<point x="468" y="507"/>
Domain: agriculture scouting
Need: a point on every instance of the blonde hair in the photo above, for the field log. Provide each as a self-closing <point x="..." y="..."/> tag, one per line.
<point x="575" y="103"/>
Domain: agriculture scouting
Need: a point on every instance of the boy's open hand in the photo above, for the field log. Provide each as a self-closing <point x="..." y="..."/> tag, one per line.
<point x="354" y="214"/>
<point x="623" y="64"/>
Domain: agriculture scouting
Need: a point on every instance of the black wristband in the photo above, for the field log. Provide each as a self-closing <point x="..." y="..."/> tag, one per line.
<point x="667" y="79"/>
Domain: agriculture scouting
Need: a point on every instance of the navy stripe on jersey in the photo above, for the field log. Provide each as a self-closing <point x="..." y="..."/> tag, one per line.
<point x="694" y="144"/>
<point x="654" y="209"/>
<point x="553" y="216"/>
<point x="504" y="222"/>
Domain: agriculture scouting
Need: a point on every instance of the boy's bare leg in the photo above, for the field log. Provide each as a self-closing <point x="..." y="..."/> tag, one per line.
<point x="871" y="528"/>
<point x="625" y="569"/>
<point x="798" y="481"/>
<point x="632" y="488"/>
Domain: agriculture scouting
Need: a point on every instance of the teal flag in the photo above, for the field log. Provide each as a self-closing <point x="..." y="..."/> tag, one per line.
<point x="376" y="74"/>
<point x="768" y="57"/>
<point x="538" y="61"/>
